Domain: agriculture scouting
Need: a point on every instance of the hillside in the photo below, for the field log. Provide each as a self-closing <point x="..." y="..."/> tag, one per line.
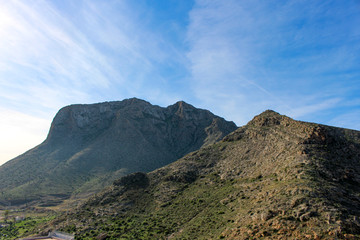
<point x="88" y="146"/>
<point x="275" y="178"/>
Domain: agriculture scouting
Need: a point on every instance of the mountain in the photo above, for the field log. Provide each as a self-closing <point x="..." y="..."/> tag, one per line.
<point x="275" y="178"/>
<point x="88" y="146"/>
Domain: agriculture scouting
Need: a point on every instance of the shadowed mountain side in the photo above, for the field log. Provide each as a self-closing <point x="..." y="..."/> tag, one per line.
<point x="275" y="178"/>
<point x="94" y="144"/>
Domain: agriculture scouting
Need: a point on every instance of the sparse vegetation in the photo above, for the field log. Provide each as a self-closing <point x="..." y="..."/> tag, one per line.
<point x="274" y="178"/>
<point x="22" y="228"/>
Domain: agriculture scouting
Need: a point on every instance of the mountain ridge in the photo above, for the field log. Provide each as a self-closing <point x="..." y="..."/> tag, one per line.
<point x="274" y="178"/>
<point x="93" y="144"/>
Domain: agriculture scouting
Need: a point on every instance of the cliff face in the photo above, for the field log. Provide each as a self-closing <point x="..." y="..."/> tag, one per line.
<point x="275" y="178"/>
<point x="89" y="145"/>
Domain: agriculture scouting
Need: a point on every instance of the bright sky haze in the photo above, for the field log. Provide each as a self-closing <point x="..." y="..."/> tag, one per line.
<point x="236" y="58"/>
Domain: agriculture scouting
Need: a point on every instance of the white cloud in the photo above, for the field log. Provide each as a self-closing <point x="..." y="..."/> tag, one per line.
<point x="308" y="108"/>
<point x="292" y="57"/>
<point x="347" y="120"/>
<point x="223" y="56"/>
<point x="238" y="59"/>
<point x="49" y="59"/>
<point x="40" y="47"/>
<point x="20" y="132"/>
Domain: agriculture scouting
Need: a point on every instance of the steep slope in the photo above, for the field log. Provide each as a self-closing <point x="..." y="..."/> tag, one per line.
<point x="90" y="145"/>
<point x="275" y="178"/>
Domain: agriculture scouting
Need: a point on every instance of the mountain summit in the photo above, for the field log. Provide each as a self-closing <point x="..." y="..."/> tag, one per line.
<point x="275" y="178"/>
<point x="90" y="145"/>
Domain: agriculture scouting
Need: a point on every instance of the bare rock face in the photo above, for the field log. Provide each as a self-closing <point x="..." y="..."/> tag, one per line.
<point x="88" y="146"/>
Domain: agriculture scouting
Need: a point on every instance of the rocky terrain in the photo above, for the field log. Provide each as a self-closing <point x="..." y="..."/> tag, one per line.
<point x="275" y="178"/>
<point x="88" y="146"/>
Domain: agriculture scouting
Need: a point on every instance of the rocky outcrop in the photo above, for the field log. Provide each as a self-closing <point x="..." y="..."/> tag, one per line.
<point x="134" y="180"/>
<point x="88" y="146"/>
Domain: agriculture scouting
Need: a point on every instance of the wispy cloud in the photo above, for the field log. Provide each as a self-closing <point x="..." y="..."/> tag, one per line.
<point x="236" y="58"/>
<point x="347" y="119"/>
<point x="40" y="48"/>
<point x="295" y="57"/>
<point x="102" y="49"/>
<point x="58" y="53"/>
<point x="310" y="107"/>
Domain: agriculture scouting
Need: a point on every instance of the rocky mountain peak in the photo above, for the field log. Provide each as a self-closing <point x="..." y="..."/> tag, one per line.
<point x="76" y="120"/>
<point x="107" y="140"/>
<point x="183" y="110"/>
<point x="274" y="178"/>
<point x="268" y="118"/>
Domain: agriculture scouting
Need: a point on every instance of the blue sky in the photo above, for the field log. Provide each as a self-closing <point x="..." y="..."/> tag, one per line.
<point x="236" y="58"/>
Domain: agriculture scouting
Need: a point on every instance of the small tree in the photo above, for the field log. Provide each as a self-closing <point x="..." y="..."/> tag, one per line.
<point x="6" y="215"/>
